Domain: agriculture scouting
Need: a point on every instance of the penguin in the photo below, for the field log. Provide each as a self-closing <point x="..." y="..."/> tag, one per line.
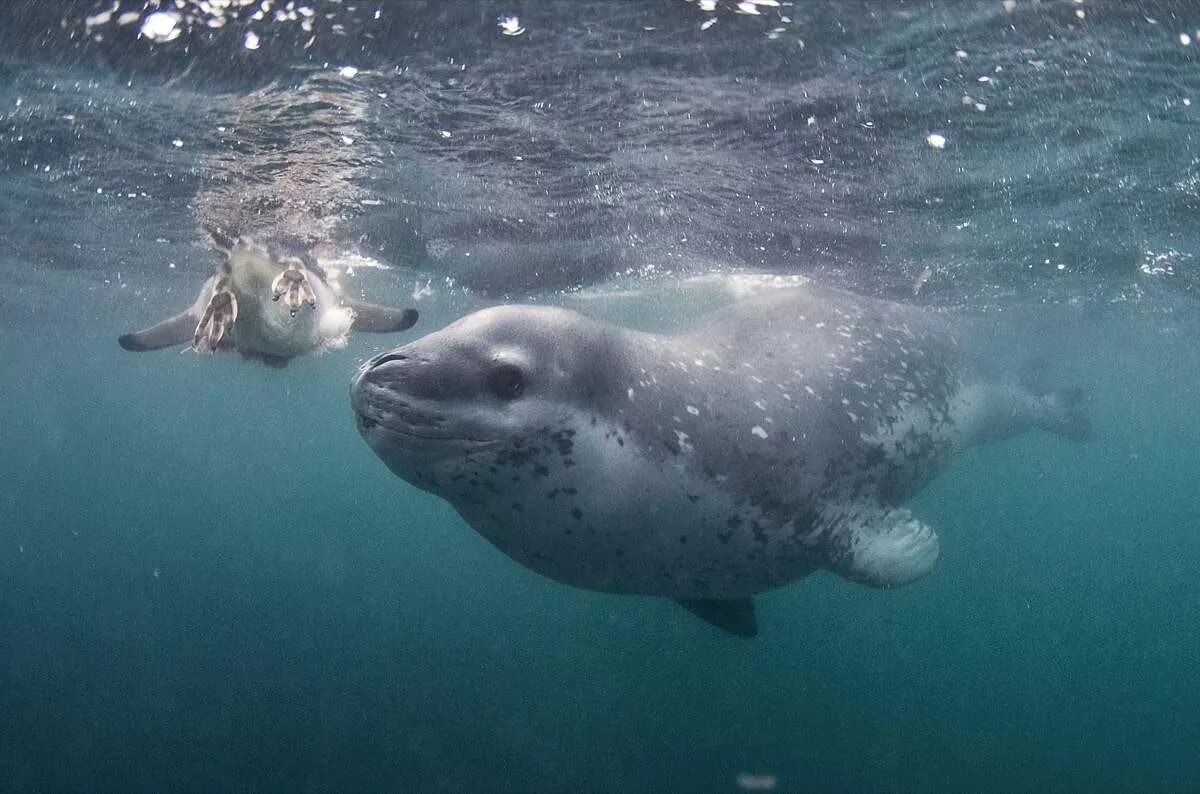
<point x="269" y="300"/>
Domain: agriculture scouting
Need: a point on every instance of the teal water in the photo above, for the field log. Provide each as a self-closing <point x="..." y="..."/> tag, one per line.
<point x="209" y="583"/>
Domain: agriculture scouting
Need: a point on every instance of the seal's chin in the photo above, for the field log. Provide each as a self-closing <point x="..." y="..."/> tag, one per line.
<point x="414" y="455"/>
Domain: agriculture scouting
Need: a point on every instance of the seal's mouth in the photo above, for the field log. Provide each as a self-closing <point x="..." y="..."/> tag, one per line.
<point x="366" y="425"/>
<point x="387" y="416"/>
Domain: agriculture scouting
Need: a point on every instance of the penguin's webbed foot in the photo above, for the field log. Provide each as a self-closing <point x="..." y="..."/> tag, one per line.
<point x="217" y="320"/>
<point x="292" y="285"/>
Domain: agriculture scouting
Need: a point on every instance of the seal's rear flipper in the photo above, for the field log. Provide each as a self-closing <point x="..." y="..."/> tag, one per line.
<point x="735" y="616"/>
<point x="174" y="331"/>
<point x="1034" y="376"/>
<point x="1064" y="414"/>
<point x="1058" y="410"/>
<point x="883" y="547"/>
<point x="380" y="319"/>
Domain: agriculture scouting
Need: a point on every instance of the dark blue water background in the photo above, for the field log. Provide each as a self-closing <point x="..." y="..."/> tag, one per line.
<point x="207" y="581"/>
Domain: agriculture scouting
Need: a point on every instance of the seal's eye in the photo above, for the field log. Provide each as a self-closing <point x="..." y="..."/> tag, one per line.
<point x="506" y="382"/>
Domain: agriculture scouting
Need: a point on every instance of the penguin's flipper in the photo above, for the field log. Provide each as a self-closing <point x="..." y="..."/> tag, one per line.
<point x="377" y="319"/>
<point x="175" y="331"/>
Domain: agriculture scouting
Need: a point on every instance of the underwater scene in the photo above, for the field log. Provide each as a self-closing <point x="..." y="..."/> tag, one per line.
<point x="599" y="395"/>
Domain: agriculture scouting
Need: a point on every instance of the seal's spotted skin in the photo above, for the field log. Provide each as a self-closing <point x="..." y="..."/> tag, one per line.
<point x="780" y="436"/>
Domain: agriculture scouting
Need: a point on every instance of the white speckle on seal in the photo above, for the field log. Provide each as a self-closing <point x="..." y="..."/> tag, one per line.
<point x="510" y="26"/>
<point x="758" y="431"/>
<point x="630" y="394"/>
<point x="161" y="26"/>
<point x="693" y="410"/>
<point x="99" y="19"/>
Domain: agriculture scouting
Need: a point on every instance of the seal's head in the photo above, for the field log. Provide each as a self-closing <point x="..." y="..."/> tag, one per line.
<point x="482" y="387"/>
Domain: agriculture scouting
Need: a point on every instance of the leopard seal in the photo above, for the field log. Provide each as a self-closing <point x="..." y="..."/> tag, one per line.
<point x="270" y="300"/>
<point x="778" y="436"/>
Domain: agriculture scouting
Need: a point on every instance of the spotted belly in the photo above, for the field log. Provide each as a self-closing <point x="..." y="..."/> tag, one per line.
<point x="586" y="505"/>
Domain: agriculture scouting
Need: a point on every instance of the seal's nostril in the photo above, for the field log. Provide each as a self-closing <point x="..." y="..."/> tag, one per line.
<point x="365" y="423"/>
<point x="379" y="361"/>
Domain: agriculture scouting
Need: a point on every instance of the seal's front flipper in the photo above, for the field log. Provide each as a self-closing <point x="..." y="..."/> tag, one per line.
<point x="174" y="331"/>
<point x="735" y="616"/>
<point x="292" y="285"/>
<point x="882" y="547"/>
<point x="380" y="319"/>
<point x="216" y="321"/>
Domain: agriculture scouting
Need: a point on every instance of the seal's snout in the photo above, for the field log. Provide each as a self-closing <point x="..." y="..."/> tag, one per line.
<point x="386" y="358"/>
<point x="384" y="369"/>
<point x="381" y="387"/>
